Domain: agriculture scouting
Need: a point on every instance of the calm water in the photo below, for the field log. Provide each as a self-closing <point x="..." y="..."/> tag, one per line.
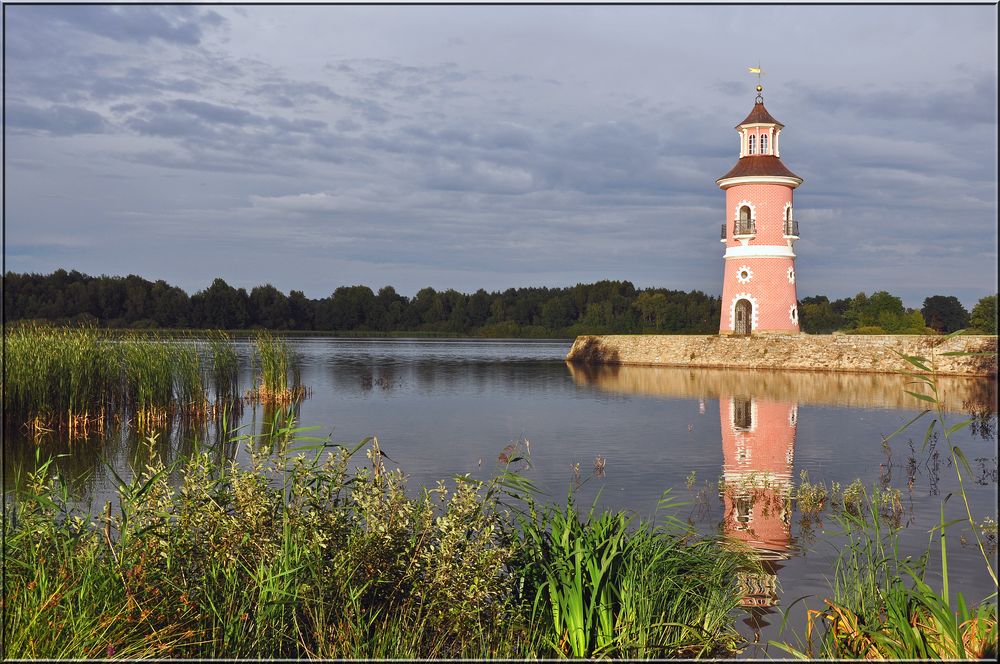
<point x="445" y="407"/>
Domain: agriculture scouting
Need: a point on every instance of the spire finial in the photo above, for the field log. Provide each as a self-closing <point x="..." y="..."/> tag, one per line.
<point x="760" y="88"/>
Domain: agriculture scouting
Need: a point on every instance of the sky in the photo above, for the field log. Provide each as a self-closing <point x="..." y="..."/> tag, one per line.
<point x="491" y="147"/>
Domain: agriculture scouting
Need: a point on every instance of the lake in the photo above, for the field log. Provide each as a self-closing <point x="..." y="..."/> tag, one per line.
<point x="441" y="407"/>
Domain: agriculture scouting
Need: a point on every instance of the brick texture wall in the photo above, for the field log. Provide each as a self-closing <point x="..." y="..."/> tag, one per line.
<point x="769" y="288"/>
<point x="860" y="353"/>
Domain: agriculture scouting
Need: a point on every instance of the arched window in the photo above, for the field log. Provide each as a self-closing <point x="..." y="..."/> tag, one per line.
<point x="763" y="143"/>
<point x="745" y="214"/>
<point x="750" y="142"/>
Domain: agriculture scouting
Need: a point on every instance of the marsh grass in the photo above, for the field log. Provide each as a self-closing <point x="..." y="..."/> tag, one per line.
<point x="314" y="552"/>
<point x="224" y="365"/>
<point x="75" y="380"/>
<point x="882" y="606"/>
<point x="273" y="361"/>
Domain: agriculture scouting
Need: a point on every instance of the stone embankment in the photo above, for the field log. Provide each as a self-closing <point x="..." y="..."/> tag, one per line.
<point x="804" y="352"/>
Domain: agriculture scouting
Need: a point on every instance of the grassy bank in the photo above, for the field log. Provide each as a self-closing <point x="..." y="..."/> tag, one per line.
<point x="314" y="552"/>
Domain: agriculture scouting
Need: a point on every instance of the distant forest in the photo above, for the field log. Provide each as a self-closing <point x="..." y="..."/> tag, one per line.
<point x="604" y="307"/>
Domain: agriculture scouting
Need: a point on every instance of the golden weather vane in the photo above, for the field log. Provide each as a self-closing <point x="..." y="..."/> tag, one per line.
<point x="760" y="72"/>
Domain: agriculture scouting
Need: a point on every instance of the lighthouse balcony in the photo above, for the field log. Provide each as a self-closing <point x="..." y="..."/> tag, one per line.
<point x="744" y="228"/>
<point x="791" y="228"/>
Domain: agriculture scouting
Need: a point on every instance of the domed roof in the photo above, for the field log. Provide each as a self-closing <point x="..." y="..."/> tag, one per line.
<point x="759" y="115"/>
<point x="759" y="165"/>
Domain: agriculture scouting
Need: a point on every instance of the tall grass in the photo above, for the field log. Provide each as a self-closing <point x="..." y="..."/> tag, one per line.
<point x="76" y="378"/>
<point x="57" y="372"/>
<point x="273" y="358"/>
<point x="882" y="606"/>
<point x="302" y="555"/>
<point x="224" y="364"/>
<point x="608" y="588"/>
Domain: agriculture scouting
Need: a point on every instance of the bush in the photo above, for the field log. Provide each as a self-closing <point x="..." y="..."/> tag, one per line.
<point x="299" y="556"/>
<point x="867" y="329"/>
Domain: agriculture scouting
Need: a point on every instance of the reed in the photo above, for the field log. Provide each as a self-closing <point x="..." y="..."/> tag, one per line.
<point x="882" y="606"/>
<point x="272" y="357"/>
<point x="224" y="364"/>
<point x="74" y="379"/>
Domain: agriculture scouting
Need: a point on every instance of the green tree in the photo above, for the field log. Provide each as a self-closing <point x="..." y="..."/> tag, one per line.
<point x="348" y="308"/>
<point x="944" y="313"/>
<point x="653" y="308"/>
<point x="223" y="306"/>
<point x="818" y="316"/>
<point x="300" y="310"/>
<point x="269" y="308"/>
<point x="984" y="315"/>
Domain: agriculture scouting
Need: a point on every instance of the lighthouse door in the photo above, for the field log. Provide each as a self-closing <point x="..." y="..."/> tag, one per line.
<point x="743" y="311"/>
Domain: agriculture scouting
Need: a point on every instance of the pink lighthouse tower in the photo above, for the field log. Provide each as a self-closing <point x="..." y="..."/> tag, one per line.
<point x="758" y="288"/>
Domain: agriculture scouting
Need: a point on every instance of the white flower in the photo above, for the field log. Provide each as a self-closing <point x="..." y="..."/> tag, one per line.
<point x="743" y="274"/>
<point x="791" y="275"/>
<point x="793" y="313"/>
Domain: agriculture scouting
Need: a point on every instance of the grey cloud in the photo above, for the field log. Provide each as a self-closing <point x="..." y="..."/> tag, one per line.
<point x="57" y="119"/>
<point x="969" y="101"/>
<point x="216" y="113"/>
<point x="410" y="163"/>
<point x="175" y="24"/>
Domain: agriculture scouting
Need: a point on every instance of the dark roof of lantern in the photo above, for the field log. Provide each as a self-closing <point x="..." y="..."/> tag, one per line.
<point x="759" y="114"/>
<point x="762" y="164"/>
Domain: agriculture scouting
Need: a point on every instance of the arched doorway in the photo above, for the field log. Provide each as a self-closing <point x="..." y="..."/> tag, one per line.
<point x="743" y="312"/>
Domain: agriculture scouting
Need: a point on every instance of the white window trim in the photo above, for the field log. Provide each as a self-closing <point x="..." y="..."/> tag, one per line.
<point x="753" y="310"/>
<point x="745" y="203"/>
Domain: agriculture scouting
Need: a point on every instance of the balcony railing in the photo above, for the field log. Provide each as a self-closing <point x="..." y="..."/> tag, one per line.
<point x="744" y="227"/>
<point x="723" y="237"/>
<point x="791" y="228"/>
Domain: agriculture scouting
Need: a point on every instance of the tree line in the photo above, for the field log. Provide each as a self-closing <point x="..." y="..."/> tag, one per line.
<point x="603" y="307"/>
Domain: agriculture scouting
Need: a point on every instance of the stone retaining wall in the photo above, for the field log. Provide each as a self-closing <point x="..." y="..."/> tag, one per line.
<point x="803" y="352"/>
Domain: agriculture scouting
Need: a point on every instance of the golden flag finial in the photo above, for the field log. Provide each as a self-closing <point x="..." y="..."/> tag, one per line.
<point x="760" y="72"/>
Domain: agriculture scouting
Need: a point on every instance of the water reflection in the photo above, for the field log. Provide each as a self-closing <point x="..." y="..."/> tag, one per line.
<point x="758" y="447"/>
<point x="975" y="395"/>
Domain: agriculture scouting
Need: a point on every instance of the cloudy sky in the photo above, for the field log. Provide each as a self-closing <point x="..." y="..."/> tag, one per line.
<point x="467" y="147"/>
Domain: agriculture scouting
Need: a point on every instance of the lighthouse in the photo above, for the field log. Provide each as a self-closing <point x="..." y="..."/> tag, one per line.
<point x="758" y="287"/>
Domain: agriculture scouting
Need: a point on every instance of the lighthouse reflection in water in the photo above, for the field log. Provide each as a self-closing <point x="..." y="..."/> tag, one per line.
<point x="758" y="444"/>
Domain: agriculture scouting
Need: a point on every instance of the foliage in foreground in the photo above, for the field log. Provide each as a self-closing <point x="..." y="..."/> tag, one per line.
<point x="883" y="607"/>
<point x="301" y="556"/>
<point x="874" y="613"/>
